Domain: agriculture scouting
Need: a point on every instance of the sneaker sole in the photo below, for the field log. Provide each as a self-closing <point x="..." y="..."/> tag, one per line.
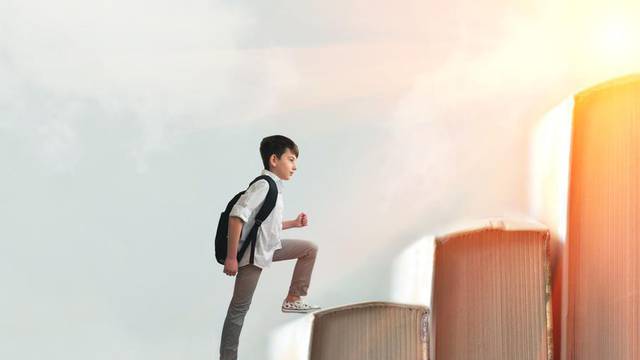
<point x="298" y="311"/>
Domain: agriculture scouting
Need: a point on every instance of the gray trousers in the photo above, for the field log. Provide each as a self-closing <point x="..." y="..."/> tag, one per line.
<point x="246" y="281"/>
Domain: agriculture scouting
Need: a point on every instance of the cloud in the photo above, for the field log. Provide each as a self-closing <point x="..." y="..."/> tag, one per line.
<point x="455" y="145"/>
<point x="163" y="69"/>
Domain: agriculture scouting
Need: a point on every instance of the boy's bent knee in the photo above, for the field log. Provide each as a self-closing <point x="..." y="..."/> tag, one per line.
<point x="313" y="248"/>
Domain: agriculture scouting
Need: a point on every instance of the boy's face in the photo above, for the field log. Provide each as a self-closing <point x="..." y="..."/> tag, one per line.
<point x="285" y="166"/>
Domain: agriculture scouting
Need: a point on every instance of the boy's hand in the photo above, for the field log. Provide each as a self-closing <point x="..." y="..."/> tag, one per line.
<point x="301" y="220"/>
<point x="231" y="266"/>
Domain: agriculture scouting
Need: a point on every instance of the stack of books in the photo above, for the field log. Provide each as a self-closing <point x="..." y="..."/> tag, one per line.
<point x="603" y="232"/>
<point x="491" y="295"/>
<point x="371" y="331"/>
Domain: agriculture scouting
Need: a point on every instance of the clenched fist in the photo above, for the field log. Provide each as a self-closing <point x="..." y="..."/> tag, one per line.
<point x="231" y="266"/>
<point x="301" y="220"/>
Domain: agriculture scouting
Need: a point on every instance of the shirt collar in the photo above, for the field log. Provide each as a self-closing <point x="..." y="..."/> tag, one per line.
<point x="275" y="177"/>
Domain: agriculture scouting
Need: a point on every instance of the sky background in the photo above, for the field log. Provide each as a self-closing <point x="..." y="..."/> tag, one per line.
<point x="126" y="127"/>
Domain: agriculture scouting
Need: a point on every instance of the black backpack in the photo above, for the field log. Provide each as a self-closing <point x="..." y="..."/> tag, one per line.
<point x="223" y="223"/>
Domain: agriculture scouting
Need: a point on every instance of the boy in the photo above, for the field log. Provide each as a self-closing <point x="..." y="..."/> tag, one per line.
<point x="279" y="155"/>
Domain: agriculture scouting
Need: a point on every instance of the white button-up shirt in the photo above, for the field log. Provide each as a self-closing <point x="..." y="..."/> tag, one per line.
<point x="270" y="232"/>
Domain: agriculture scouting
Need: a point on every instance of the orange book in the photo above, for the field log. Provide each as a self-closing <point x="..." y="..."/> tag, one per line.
<point x="603" y="230"/>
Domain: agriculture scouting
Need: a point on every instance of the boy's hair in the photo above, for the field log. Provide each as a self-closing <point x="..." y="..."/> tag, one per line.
<point x="276" y="144"/>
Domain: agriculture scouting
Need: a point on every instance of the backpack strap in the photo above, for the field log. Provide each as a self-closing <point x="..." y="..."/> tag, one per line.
<point x="263" y="213"/>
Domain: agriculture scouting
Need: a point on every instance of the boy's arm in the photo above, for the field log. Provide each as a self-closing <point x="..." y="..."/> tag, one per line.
<point x="300" y="221"/>
<point x="231" y="262"/>
<point x="252" y="199"/>
<point x="248" y="202"/>
<point x="287" y="224"/>
<point x="235" y="229"/>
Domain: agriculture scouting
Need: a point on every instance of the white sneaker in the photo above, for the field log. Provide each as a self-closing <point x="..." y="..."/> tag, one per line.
<point x="298" y="306"/>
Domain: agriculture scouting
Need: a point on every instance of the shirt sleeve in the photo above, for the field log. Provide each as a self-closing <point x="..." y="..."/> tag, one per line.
<point x="252" y="199"/>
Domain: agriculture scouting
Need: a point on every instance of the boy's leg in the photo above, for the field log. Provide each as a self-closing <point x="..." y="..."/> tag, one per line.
<point x="305" y="251"/>
<point x="246" y="281"/>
